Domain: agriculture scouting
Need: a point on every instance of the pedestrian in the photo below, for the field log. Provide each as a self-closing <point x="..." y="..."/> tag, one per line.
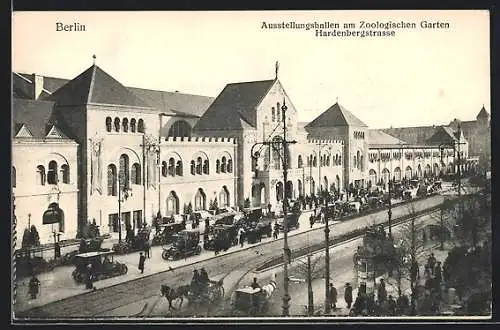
<point x="391" y="306"/>
<point x="276" y="230"/>
<point x="415" y="273"/>
<point x="427" y="272"/>
<point x="311" y="220"/>
<point x="333" y="296"/>
<point x="90" y="277"/>
<point x="147" y="249"/>
<point x="142" y="259"/>
<point x="348" y="295"/>
<point x="34" y="286"/>
<point x="431" y="262"/>
<point x="242" y="237"/>
<point x="438" y="275"/>
<point x="57" y="250"/>
<point x="381" y="293"/>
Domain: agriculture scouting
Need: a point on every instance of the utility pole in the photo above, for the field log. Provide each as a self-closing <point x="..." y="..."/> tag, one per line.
<point x="284" y="158"/>
<point x="310" y="298"/>
<point x="389" y="213"/>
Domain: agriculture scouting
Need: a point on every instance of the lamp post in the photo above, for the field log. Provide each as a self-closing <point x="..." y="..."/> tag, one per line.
<point x="126" y="193"/>
<point x="327" y="239"/>
<point x="284" y="158"/>
<point x="389" y="212"/>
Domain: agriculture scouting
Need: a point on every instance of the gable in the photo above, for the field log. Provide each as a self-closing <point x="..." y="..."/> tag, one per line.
<point x="336" y="116"/>
<point x="23" y="132"/>
<point x="54" y="132"/>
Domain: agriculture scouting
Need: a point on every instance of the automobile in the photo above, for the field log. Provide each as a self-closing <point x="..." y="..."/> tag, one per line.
<point x="292" y="221"/>
<point x="223" y="219"/>
<point x="407" y="195"/>
<point x="200" y="215"/>
<point x="185" y="243"/>
<point x="103" y="266"/>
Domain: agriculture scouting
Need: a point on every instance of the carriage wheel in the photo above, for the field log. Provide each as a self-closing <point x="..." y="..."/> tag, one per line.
<point x="124" y="269"/>
<point x="219" y="292"/>
<point x="165" y="255"/>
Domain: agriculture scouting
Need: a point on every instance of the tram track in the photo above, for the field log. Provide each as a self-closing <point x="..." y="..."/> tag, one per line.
<point x="96" y="303"/>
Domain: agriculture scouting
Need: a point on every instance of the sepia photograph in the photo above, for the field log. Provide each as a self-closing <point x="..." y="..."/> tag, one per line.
<point x="251" y="165"/>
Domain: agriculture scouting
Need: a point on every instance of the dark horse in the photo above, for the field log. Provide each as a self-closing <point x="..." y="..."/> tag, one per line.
<point x="173" y="294"/>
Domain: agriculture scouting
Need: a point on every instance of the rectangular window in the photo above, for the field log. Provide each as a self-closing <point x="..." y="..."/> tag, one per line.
<point x="113" y="222"/>
<point x="126" y="221"/>
<point x="138" y="218"/>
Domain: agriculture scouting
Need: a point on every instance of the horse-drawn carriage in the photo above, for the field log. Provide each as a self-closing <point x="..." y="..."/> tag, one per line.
<point x="210" y="294"/>
<point x="133" y="242"/>
<point x="224" y="235"/>
<point x="102" y="266"/>
<point x="248" y="301"/>
<point x="185" y="244"/>
<point x="165" y="233"/>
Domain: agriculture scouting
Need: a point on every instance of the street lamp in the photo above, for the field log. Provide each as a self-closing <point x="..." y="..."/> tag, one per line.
<point x="123" y="194"/>
<point x="284" y="158"/>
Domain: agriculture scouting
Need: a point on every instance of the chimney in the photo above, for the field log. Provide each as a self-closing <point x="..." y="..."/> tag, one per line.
<point x="37" y="85"/>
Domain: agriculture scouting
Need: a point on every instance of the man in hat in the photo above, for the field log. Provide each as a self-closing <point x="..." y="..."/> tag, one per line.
<point x="142" y="260"/>
<point x="203" y="280"/>
<point x="254" y="284"/>
<point x="333" y="296"/>
<point x="195" y="281"/>
<point x="381" y="292"/>
<point x="348" y="295"/>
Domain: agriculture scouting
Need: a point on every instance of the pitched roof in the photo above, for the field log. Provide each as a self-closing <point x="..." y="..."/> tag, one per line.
<point x="95" y="86"/>
<point x="235" y="107"/>
<point x="175" y="103"/>
<point x="378" y="137"/>
<point x="51" y="84"/>
<point x="483" y="113"/>
<point x="443" y="134"/>
<point x="34" y="115"/>
<point x="412" y="135"/>
<point x="336" y="116"/>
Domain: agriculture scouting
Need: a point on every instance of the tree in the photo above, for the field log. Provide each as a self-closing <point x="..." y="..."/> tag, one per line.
<point x="472" y="217"/>
<point x="26" y="242"/>
<point x="311" y="269"/>
<point x="409" y="247"/>
<point x="35" y="238"/>
<point x="442" y="219"/>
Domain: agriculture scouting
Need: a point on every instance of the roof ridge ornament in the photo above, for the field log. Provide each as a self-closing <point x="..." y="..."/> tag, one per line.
<point x="276" y="67"/>
<point x="93" y="59"/>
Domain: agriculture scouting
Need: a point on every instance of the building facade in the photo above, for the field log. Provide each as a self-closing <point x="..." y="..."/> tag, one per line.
<point x="125" y="154"/>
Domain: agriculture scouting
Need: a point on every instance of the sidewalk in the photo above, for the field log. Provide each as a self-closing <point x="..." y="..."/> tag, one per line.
<point x="59" y="284"/>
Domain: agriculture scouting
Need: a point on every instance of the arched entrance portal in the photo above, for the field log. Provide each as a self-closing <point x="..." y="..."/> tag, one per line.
<point x="200" y="200"/>
<point x="172" y="204"/>
<point x="224" y="197"/>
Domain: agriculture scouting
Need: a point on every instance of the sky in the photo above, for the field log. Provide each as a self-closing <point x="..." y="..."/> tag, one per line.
<point x="420" y="76"/>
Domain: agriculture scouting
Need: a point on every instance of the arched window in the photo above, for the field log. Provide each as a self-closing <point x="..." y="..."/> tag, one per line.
<point x="408" y="172"/>
<point x="140" y="126"/>
<point x="193" y="168"/>
<point x="40" y="175"/>
<point x="125" y="125"/>
<point x="200" y="200"/>
<point x="65" y="173"/>
<point x="354" y="162"/>
<point x="136" y="174"/>
<point x="361" y="165"/>
<point x="223" y="164"/>
<point x="164" y="168"/>
<point x="358" y="159"/>
<point x="386" y="175"/>
<point x="278" y="112"/>
<point x="229" y="166"/>
<point x="397" y="174"/>
<point x="117" y="124"/>
<point x="206" y="168"/>
<point x="132" y="125"/>
<point x="199" y="165"/>
<point x="299" y="162"/>
<point x="180" y="128"/>
<point x="109" y="122"/>
<point x="340" y="160"/>
<point x="178" y="168"/>
<point x="277" y="152"/>
<point x="273" y="114"/>
<point x="52" y="173"/>
<point x="171" y="167"/>
<point x="328" y="160"/>
<point x="315" y="161"/>
<point x="217" y="166"/>
<point x="172" y="203"/>
<point x="124" y="172"/>
<point x="279" y="191"/>
<point x="112" y="178"/>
